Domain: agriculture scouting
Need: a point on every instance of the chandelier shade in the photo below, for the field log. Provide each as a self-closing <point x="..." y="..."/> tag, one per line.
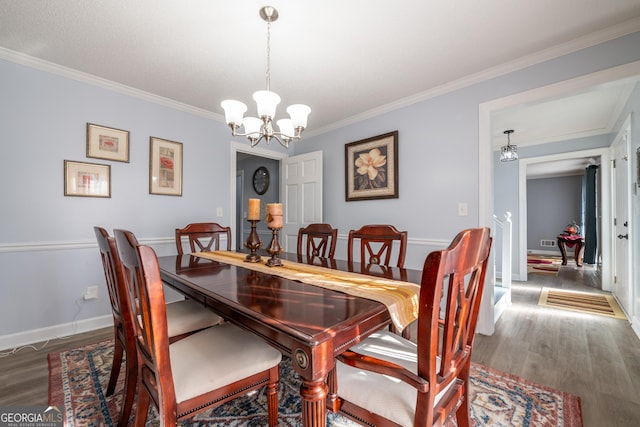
<point x="257" y="129"/>
<point x="233" y="110"/>
<point x="508" y="152"/>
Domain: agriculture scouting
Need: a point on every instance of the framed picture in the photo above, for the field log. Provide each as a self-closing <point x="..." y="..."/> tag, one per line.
<point x="371" y="168"/>
<point x="165" y="167"/>
<point x="107" y="143"/>
<point x="86" y="179"/>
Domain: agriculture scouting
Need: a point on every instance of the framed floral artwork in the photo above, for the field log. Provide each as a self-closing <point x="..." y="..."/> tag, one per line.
<point x="371" y="168"/>
<point x="107" y="143"/>
<point x="87" y="179"/>
<point x="165" y="167"/>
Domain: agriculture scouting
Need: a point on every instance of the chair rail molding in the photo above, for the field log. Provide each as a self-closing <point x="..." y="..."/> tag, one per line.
<point x="65" y="246"/>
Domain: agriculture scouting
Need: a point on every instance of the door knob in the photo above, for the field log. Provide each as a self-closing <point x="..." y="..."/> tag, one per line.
<point x="623" y="236"/>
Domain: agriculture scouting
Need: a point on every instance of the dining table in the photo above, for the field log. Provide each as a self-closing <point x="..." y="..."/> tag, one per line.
<point x="310" y="324"/>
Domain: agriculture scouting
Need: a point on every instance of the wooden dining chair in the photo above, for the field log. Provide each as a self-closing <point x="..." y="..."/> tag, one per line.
<point x="321" y="240"/>
<point x="198" y="372"/>
<point x="184" y="317"/>
<point x="387" y="380"/>
<point x="203" y="236"/>
<point x="376" y="245"/>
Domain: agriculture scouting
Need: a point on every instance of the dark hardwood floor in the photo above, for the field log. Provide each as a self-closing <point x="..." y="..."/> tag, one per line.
<point x="594" y="357"/>
<point x="24" y="375"/>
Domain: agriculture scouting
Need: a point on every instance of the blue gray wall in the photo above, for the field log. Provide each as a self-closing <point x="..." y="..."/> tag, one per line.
<point x="47" y="251"/>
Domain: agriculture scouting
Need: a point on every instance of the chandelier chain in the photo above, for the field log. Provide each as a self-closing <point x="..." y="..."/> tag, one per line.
<point x="269" y="54"/>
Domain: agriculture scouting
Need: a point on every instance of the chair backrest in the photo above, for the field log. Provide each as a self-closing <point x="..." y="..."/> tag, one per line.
<point x="321" y="240"/>
<point x="434" y="375"/>
<point x="376" y="244"/>
<point x="203" y="236"/>
<point x="116" y="284"/>
<point x="450" y="295"/>
<point x="141" y="269"/>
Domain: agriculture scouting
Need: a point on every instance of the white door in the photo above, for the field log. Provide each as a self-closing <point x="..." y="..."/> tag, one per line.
<point x="622" y="287"/>
<point x="301" y="190"/>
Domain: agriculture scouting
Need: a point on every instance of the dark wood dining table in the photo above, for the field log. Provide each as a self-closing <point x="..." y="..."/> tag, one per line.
<point x="310" y="324"/>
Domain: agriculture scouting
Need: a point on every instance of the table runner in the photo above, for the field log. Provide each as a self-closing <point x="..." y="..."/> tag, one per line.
<point x="400" y="298"/>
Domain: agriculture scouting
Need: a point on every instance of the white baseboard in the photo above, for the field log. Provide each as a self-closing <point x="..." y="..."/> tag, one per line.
<point x="545" y="252"/>
<point x="20" y="339"/>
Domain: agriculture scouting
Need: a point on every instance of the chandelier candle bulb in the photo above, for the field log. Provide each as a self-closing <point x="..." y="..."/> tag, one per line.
<point x="254" y="210"/>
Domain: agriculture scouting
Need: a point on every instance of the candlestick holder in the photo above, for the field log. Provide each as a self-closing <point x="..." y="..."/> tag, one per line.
<point x="253" y="243"/>
<point x="274" y="249"/>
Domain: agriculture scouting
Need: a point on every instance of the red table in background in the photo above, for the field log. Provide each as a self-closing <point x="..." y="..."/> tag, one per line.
<point x="571" y="240"/>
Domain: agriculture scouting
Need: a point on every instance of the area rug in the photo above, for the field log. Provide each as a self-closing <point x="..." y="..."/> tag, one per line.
<point x="583" y="302"/>
<point x="78" y="380"/>
<point x="541" y="264"/>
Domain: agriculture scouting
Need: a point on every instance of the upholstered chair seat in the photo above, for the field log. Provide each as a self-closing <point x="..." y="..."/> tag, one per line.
<point x="393" y="399"/>
<point x="186" y="316"/>
<point x="222" y="355"/>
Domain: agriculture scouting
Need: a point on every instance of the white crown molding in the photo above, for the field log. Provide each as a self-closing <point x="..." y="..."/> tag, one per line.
<point x="50" y="67"/>
<point x="623" y="29"/>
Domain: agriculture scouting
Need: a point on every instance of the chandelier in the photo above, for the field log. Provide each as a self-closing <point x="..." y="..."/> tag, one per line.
<point x="257" y="129"/>
<point x="508" y="152"/>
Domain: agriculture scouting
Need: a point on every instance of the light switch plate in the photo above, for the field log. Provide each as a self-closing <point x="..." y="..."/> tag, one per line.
<point x="463" y="209"/>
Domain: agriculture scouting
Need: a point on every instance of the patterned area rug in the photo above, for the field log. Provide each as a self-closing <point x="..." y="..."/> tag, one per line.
<point x="78" y="380"/>
<point x="541" y="264"/>
<point x="582" y="302"/>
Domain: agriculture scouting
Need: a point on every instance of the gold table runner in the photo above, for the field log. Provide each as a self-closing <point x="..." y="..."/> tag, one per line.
<point x="400" y="298"/>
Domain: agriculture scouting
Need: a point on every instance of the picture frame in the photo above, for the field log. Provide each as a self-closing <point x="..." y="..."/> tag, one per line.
<point x="82" y="179"/>
<point x="165" y="167"/>
<point x="107" y="143"/>
<point x="371" y="168"/>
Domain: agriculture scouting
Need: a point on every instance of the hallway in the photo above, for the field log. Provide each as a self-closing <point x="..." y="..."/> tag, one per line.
<point x="594" y="357"/>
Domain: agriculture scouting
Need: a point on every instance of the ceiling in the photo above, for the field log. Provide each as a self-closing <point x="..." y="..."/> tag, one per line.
<point x="348" y="60"/>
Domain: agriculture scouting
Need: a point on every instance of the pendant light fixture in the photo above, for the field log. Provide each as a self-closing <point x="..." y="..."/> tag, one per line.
<point x="508" y="153"/>
<point x="258" y="128"/>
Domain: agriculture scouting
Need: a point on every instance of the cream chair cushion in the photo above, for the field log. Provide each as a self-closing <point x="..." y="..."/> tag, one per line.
<point x="186" y="316"/>
<point x="217" y="356"/>
<point x="380" y="394"/>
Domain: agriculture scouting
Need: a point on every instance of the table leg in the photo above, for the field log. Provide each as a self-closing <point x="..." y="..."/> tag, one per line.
<point x="579" y="252"/>
<point x="563" y="251"/>
<point x="314" y="396"/>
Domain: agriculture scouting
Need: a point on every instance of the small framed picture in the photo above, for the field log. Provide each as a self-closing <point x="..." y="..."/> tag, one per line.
<point x="107" y="143"/>
<point x="87" y="179"/>
<point x="165" y="167"/>
<point x="371" y="168"/>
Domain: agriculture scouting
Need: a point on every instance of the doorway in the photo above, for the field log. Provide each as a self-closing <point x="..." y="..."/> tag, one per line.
<point x="631" y="71"/>
<point x="242" y="186"/>
<point x="527" y="164"/>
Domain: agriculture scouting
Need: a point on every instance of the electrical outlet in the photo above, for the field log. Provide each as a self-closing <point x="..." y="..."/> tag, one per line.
<point x="91" y="293"/>
<point x="463" y="209"/>
<point x="219" y="212"/>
